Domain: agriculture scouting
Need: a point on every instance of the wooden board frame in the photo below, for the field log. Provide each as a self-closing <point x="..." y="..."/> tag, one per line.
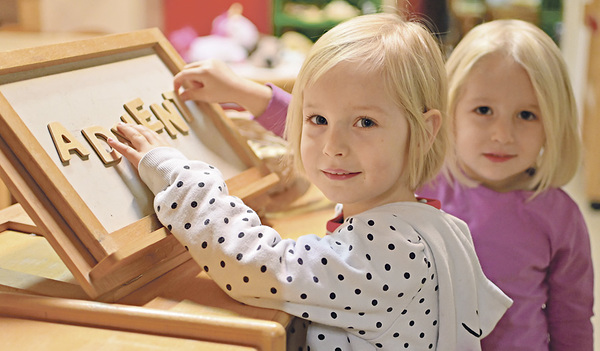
<point x="107" y="263"/>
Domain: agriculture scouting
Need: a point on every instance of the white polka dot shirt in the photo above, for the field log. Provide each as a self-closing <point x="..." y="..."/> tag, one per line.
<point x="371" y="285"/>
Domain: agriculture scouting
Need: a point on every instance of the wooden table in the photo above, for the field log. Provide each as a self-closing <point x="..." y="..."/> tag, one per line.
<point x="182" y="309"/>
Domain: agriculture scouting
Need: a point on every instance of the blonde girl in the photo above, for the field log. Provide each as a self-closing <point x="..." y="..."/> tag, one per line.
<point x="514" y="143"/>
<point x="397" y="273"/>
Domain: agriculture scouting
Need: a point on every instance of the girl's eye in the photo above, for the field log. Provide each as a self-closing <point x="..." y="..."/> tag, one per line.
<point x="527" y="116"/>
<point x="365" y="122"/>
<point x="318" y="120"/>
<point x="483" y="110"/>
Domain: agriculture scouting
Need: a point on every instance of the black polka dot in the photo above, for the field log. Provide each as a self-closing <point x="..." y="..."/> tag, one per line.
<point x="350" y="227"/>
<point x="228" y="286"/>
<point x="241" y="235"/>
<point x="289" y="278"/>
<point x="332" y="296"/>
<point x="307" y="247"/>
<point x="201" y="184"/>
<point x="186" y="167"/>
<point x="333" y="315"/>
<point x="371" y="222"/>
<point x="406" y="275"/>
<point x="221" y="240"/>
<point x="412" y="255"/>
<point x="174" y="205"/>
<point x="206" y="221"/>
<point x="303" y="296"/>
<point x="374" y="302"/>
<point x="387" y="267"/>
<point x="246" y="279"/>
<point x="391" y="246"/>
<point x="378" y="325"/>
<point x="204" y="245"/>
<point x="340" y="277"/>
<point x="187" y="226"/>
<point x="369" y="276"/>
<point x="273" y="291"/>
<point x="169" y="227"/>
<point x="239" y="256"/>
<point x="379" y="345"/>
<point x="357" y="291"/>
<point x="263" y="268"/>
<point x="179" y="184"/>
<point x="370" y="237"/>
<point x="194" y="204"/>
<point x="324" y="261"/>
<point x="158" y="208"/>
<point x="300" y="261"/>
<point x="315" y="279"/>
<point x="223" y="264"/>
<point x="411" y="323"/>
<point x="305" y="315"/>
<point x="321" y="337"/>
<point x="211" y="201"/>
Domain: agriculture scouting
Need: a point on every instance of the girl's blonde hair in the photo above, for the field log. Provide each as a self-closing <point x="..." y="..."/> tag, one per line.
<point x="408" y="58"/>
<point x="541" y="58"/>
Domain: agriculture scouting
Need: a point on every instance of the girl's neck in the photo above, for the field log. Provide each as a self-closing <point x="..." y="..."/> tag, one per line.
<point x="354" y="208"/>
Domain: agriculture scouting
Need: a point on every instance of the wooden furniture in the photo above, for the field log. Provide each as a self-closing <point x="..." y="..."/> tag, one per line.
<point x="93" y="209"/>
<point x="182" y="308"/>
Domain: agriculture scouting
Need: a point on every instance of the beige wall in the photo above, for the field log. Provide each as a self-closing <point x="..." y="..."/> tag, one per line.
<point x="106" y="16"/>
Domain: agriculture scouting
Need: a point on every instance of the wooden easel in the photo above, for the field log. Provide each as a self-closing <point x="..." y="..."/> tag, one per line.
<point x="108" y="264"/>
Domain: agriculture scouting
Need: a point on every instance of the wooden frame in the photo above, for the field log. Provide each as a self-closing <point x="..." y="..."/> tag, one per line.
<point x="89" y="205"/>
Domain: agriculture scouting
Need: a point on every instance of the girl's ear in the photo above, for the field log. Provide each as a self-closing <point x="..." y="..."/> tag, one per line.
<point x="433" y="122"/>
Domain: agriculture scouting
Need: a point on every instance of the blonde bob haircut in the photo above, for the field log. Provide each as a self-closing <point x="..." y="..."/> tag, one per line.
<point x="408" y="58"/>
<point x="541" y="58"/>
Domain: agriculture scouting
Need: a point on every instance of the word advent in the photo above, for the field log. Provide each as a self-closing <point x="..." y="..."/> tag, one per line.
<point x="168" y="117"/>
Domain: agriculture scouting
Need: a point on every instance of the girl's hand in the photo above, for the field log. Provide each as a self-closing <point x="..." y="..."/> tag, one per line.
<point x="214" y="82"/>
<point x="142" y="140"/>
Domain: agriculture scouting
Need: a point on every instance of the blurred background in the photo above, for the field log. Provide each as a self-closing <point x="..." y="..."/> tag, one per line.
<point x="266" y="40"/>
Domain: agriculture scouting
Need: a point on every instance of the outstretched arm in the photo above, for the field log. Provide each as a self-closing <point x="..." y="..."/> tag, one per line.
<point x="213" y="81"/>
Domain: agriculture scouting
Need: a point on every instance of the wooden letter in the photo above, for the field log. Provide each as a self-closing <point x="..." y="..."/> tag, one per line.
<point x="93" y="136"/>
<point x="183" y="109"/>
<point x="66" y="143"/>
<point x="135" y="109"/>
<point x="168" y="115"/>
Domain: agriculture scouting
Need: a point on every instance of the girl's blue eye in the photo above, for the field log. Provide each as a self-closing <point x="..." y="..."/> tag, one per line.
<point x="527" y="116"/>
<point x="365" y="123"/>
<point x="318" y="120"/>
<point x="483" y="110"/>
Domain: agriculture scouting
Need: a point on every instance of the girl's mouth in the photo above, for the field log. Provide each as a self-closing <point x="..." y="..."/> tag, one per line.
<point x="498" y="157"/>
<point x="339" y="174"/>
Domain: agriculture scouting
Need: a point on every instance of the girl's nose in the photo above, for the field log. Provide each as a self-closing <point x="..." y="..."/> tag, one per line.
<point x="335" y="143"/>
<point x="503" y="130"/>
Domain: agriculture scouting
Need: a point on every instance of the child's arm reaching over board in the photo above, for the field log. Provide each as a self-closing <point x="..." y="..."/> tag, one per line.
<point x="214" y="81"/>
